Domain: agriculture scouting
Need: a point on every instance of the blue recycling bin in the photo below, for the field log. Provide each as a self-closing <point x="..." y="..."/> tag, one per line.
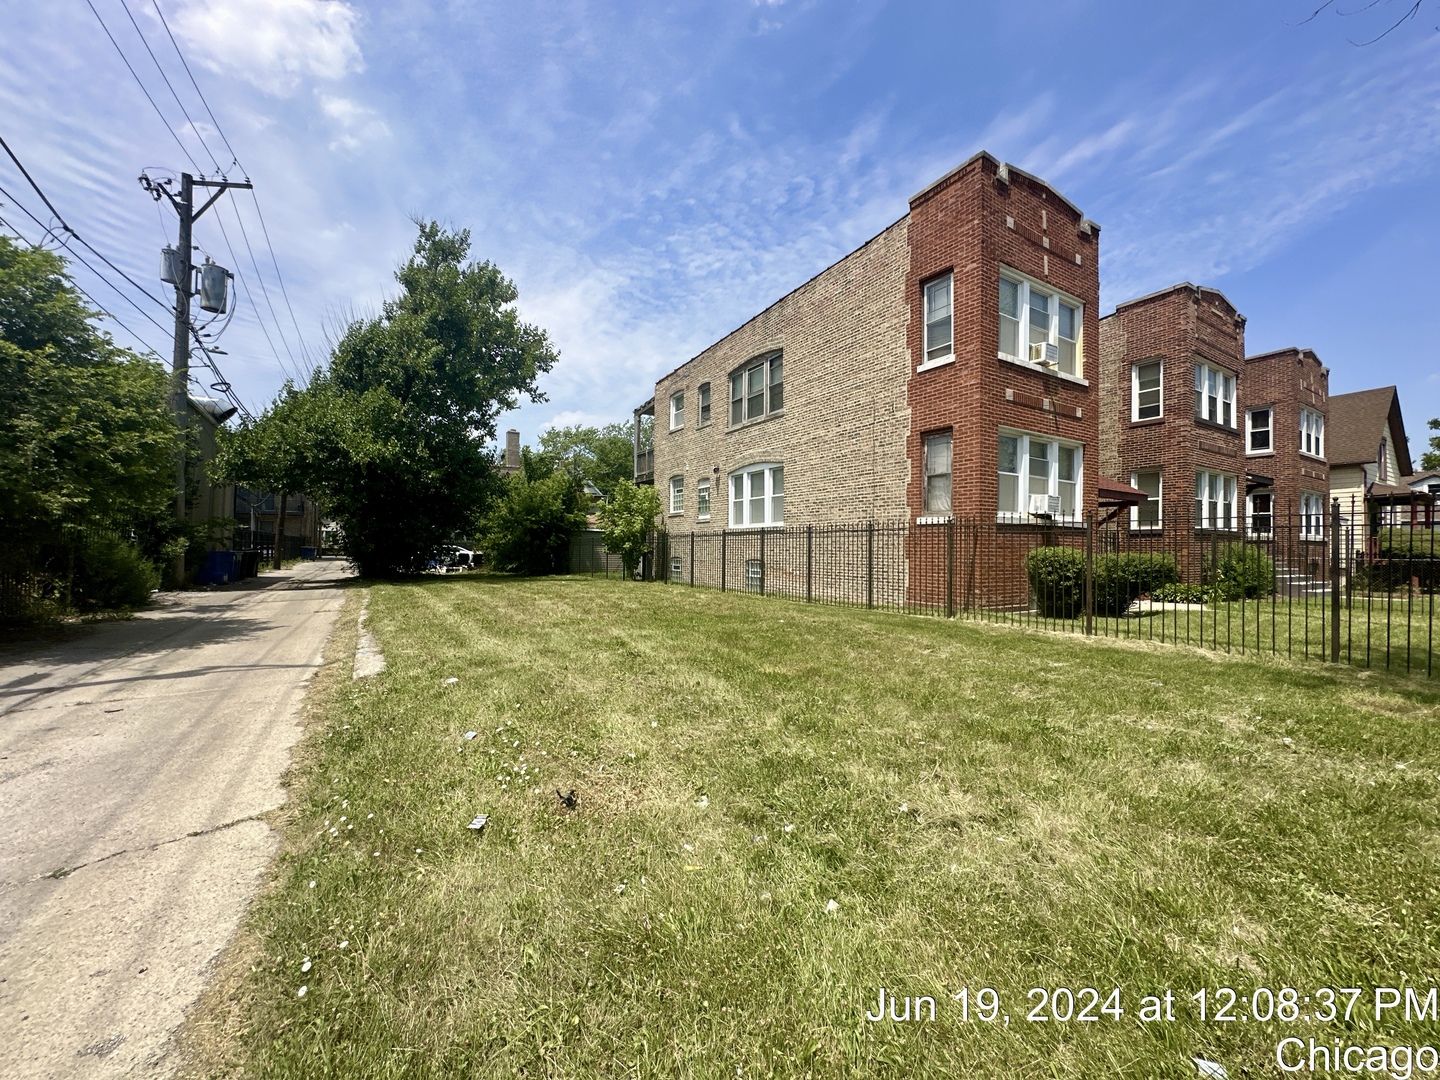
<point x="307" y="553"/>
<point x="219" y="568"/>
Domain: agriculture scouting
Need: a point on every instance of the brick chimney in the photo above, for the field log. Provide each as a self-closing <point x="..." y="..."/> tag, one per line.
<point x="512" y="450"/>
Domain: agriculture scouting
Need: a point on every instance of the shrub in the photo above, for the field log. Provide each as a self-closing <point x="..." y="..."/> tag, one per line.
<point x="529" y="530"/>
<point x="1242" y="572"/>
<point x="1176" y="593"/>
<point x="111" y="574"/>
<point x="1057" y="578"/>
<point x="628" y="519"/>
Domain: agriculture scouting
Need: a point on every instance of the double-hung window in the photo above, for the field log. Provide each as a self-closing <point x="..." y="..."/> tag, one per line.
<point x="1258" y="423"/>
<point x="677" y="494"/>
<point x="1312" y="433"/>
<point x="757" y="389"/>
<point x="1214" y="501"/>
<point x="937" y="473"/>
<point x="1145" y="379"/>
<point x="757" y="496"/>
<point x="1147" y="514"/>
<point x="1034" y="470"/>
<point x="1214" y="395"/>
<point x="939" y="319"/>
<point x="702" y="397"/>
<point x="702" y="500"/>
<point x="1312" y="516"/>
<point x="677" y="410"/>
<point x="1039" y="325"/>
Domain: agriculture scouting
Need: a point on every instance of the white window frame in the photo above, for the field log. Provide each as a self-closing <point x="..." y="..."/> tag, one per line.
<point x="771" y="475"/>
<point x="1250" y="430"/>
<point x="1021" y="514"/>
<point x="677" y="410"/>
<point x="926" y="454"/>
<point x="702" y="403"/>
<point x="754" y="575"/>
<point x="1312" y="431"/>
<point x="1251" y="513"/>
<point x="1027" y="285"/>
<point x="1156" y="500"/>
<point x="677" y="495"/>
<point x="772" y="388"/>
<point x="677" y="568"/>
<point x="702" y="500"/>
<point x="1206" y="483"/>
<point x="1135" y="390"/>
<point x="1224" y="382"/>
<point x="942" y="352"/>
<point x="1312" y="515"/>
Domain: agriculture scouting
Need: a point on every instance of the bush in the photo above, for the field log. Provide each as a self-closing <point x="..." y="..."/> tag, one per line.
<point x="529" y="531"/>
<point x="111" y="574"/>
<point x="628" y="519"/>
<point x="1241" y="572"/>
<point x="1176" y="593"/>
<point x="1057" y="578"/>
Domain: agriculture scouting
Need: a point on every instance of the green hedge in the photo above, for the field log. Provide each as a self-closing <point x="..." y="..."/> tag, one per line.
<point x="1057" y="578"/>
<point x="1241" y="572"/>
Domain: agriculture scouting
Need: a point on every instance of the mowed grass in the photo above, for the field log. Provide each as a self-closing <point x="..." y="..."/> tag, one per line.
<point x="985" y="807"/>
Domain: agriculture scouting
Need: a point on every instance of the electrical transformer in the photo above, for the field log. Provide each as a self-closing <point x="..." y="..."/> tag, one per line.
<point x="214" y="282"/>
<point x="172" y="266"/>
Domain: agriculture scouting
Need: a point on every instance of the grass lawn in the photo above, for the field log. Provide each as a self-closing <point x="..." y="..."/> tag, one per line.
<point x="782" y="809"/>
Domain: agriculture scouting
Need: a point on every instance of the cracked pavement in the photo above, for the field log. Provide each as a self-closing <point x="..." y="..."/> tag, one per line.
<point x="137" y="762"/>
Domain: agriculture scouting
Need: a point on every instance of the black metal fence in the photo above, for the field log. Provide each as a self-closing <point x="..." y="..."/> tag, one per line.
<point x="1356" y="589"/>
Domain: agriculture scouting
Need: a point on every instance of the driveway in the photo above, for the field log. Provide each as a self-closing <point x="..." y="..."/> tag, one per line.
<point x="135" y="762"/>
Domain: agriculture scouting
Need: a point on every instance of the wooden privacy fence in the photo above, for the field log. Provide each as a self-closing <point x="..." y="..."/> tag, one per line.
<point x="1313" y="586"/>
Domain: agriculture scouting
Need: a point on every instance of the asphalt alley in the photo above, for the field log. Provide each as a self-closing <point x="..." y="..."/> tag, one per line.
<point x="136" y="760"/>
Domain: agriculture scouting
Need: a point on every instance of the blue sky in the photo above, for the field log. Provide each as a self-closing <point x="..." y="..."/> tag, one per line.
<point x="652" y="175"/>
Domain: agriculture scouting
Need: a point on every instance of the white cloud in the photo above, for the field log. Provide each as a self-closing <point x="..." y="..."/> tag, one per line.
<point x="274" y="44"/>
<point x="358" y="123"/>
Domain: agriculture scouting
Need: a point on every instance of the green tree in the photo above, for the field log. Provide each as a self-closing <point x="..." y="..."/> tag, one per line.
<point x="1430" y="459"/>
<point x="628" y="520"/>
<point x="529" y="530"/>
<point x="604" y="455"/>
<point x="86" y="437"/>
<point x="391" y="435"/>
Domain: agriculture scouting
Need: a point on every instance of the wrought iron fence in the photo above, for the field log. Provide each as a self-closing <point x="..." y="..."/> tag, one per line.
<point x="1355" y="589"/>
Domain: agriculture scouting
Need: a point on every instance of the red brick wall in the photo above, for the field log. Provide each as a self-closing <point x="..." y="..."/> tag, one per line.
<point x="1285" y="380"/>
<point x="960" y="224"/>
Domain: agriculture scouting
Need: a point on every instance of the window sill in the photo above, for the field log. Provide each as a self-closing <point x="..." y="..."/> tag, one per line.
<point x="1259" y="453"/>
<point x="1005" y="518"/>
<point x="778" y="414"/>
<point x="1157" y="527"/>
<point x="757" y="528"/>
<point x="676" y="513"/>
<point x="1312" y="457"/>
<point x="931" y="365"/>
<point x="702" y="518"/>
<point x="1039" y="370"/>
<point x="672" y="430"/>
<point x="1149" y="421"/>
<point x="1214" y="425"/>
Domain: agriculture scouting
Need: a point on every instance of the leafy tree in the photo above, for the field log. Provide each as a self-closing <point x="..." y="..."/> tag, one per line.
<point x="391" y="435"/>
<point x="529" y="530"/>
<point x="86" y="437"/>
<point x="604" y="456"/>
<point x="628" y="520"/>
<point x="1430" y="459"/>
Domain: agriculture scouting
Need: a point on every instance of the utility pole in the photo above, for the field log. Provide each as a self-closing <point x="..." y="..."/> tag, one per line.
<point x="180" y="271"/>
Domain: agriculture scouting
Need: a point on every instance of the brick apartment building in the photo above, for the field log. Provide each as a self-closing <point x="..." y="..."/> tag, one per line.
<point x="945" y="368"/>
<point x="1286" y="394"/>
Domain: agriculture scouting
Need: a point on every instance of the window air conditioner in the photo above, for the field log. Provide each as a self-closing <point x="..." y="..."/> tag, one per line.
<point x="1044" y="505"/>
<point x="1045" y="353"/>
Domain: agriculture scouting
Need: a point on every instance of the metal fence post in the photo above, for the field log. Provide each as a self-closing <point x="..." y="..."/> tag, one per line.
<point x="950" y="568"/>
<point x="809" y="559"/>
<point x="1334" y="581"/>
<point x="1089" y="572"/>
<point x="692" y="559"/>
<point x="870" y="564"/>
<point x="762" y="563"/>
<point x="723" y="533"/>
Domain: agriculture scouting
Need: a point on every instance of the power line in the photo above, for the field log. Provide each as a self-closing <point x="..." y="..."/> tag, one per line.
<point x="166" y="79"/>
<point x="66" y="226"/>
<point x="263" y="290"/>
<point x="143" y="90"/>
<point x="300" y="338"/>
<point x="211" y="112"/>
<point x="244" y="284"/>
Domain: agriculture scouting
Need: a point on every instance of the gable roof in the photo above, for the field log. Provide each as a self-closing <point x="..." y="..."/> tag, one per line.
<point x="1357" y="422"/>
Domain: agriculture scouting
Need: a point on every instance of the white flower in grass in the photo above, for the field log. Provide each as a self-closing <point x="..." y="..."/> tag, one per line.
<point x="302" y="991"/>
<point x="703" y="802"/>
<point x="305" y="965"/>
<point x="904" y="808"/>
<point x="312" y="884"/>
<point x="789" y="828"/>
<point x="654" y="723"/>
<point x="344" y="943"/>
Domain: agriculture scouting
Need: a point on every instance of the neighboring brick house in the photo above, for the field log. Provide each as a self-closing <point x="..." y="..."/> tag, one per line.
<point x="1285" y="394"/>
<point x="1171" y="421"/>
<point x="943" y="368"/>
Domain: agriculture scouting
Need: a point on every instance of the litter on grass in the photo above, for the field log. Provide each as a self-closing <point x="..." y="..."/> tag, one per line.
<point x="471" y="734"/>
<point x="1211" y="1069"/>
<point x="301" y="991"/>
<point x="831" y="907"/>
<point x="304" y="967"/>
<point x="479" y="822"/>
<point x="451" y="679"/>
